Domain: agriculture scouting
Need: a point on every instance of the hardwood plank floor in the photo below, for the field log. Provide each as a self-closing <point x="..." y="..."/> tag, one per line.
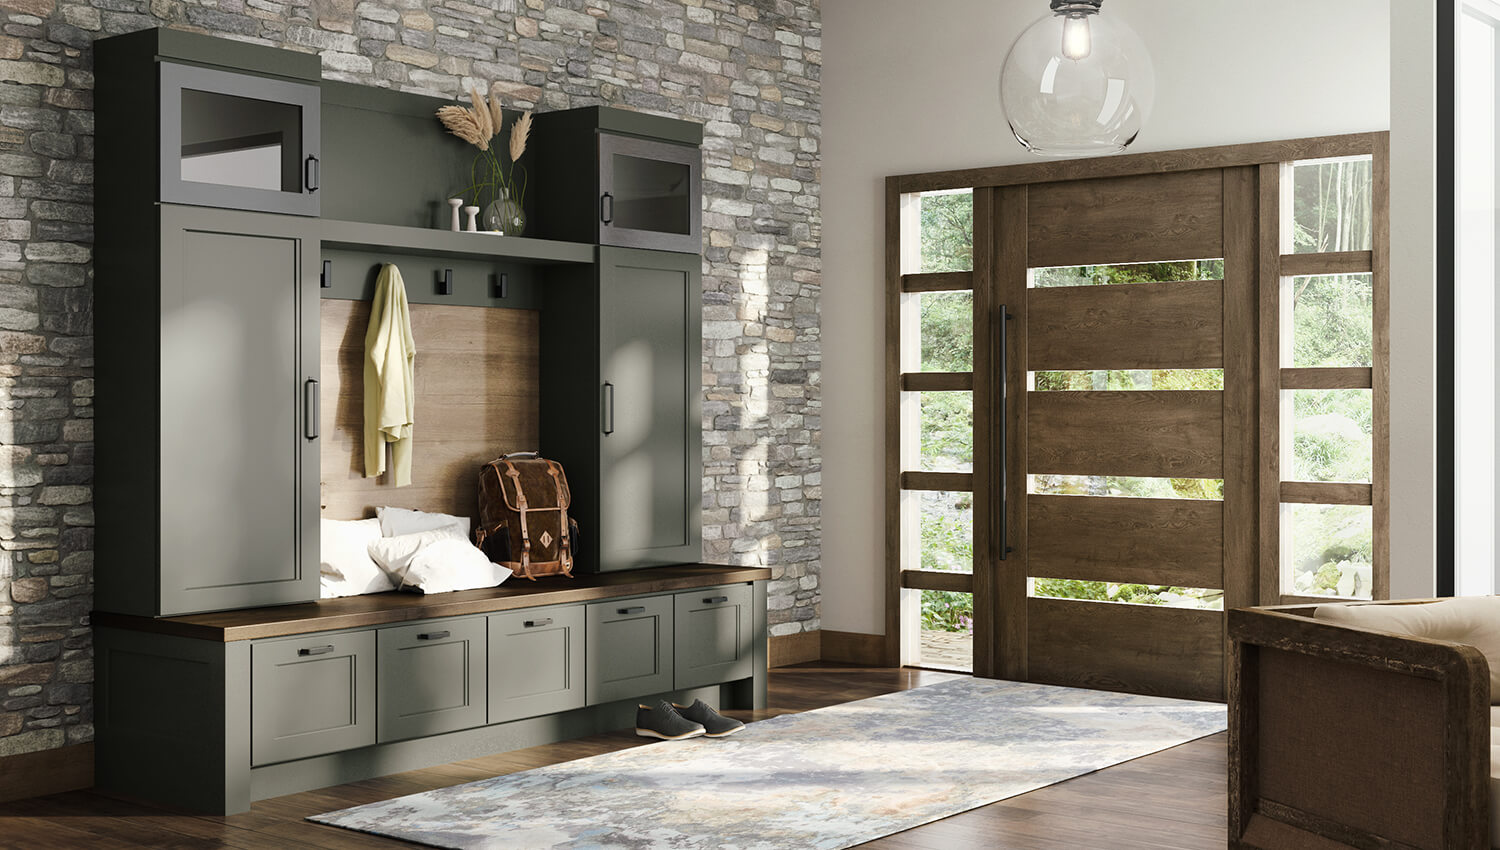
<point x="1174" y="799"/>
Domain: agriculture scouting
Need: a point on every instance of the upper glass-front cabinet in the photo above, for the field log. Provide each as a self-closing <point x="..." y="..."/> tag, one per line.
<point x="649" y="194"/>
<point x="238" y="141"/>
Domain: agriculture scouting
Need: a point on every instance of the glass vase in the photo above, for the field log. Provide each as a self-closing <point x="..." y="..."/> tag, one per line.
<point x="505" y="216"/>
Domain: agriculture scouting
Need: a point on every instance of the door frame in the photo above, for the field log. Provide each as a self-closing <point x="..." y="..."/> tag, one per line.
<point x="1000" y="194"/>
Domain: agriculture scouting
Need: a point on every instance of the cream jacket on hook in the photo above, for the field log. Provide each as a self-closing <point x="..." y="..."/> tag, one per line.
<point x="390" y="391"/>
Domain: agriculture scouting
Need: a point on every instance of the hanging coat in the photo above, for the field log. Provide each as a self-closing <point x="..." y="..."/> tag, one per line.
<point x="390" y="391"/>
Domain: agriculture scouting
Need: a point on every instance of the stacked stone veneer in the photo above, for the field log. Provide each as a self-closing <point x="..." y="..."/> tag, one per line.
<point x="748" y="71"/>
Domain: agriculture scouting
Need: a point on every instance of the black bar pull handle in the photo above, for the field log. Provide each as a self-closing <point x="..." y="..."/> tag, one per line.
<point x="607" y="208"/>
<point x="310" y="413"/>
<point x="609" y="408"/>
<point x="715" y="600"/>
<point x="536" y="624"/>
<point x="315" y="650"/>
<point x="433" y="635"/>
<point x="1004" y="378"/>
<point x="310" y="176"/>
<point x="634" y="609"/>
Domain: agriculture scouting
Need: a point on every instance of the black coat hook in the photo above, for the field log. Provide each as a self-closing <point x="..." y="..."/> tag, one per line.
<point x="445" y="287"/>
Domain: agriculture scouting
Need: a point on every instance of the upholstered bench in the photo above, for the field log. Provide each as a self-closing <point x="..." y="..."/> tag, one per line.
<point x="1365" y="725"/>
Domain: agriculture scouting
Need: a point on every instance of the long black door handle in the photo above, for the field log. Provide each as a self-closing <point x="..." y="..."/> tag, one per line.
<point x="609" y="408"/>
<point x="315" y="650"/>
<point x="310" y="412"/>
<point x="1004" y="338"/>
<point x="607" y="208"/>
<point x="310" y="176"/>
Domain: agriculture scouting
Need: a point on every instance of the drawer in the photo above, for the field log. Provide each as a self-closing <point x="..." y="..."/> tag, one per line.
<point x="536" y="662"/>
<point x="311" y="695"/>
<point x="431" y="678"/>
<point x="714" y="635"/>
<point x="629" y="648"/>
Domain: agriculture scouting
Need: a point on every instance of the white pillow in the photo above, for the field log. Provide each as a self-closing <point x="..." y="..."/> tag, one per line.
<point x="1471" y="620"/>
<point x="346" y="568"/>
<point x="436" y="561"/>
<point x="397" y="521"/>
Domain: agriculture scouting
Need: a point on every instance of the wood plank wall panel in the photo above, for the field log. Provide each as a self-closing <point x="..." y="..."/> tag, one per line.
<point x="1175" y="652"/>
<point x="477" y="384"/>
<point x="1146" y="541"/>
<point x="1168" y="434"/>
<point x="1171" y="325"/>
<point x="1174" y="216"/>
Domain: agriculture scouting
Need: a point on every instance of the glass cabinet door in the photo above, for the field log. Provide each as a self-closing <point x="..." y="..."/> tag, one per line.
<point x="649" y="194"/>
<point x="238" y="141"/>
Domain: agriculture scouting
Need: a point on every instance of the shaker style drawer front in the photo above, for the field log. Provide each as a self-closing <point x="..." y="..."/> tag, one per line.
<point x="311" y="695"/>
<point x="431" y="678"/>
<point x="535" y="662"/>
<point x="714" y="635"/>
<point x="629" y="648"/>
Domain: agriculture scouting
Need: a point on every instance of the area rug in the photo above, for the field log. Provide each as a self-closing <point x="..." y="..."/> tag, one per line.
<point x="828" y="779"/>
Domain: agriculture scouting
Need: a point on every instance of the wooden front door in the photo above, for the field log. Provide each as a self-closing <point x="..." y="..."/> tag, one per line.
<point x="1124" y="326"/>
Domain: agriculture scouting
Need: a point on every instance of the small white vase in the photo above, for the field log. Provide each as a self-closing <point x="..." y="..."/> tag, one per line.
<point x="455" y="203"/>
<point x="473" y="214"/>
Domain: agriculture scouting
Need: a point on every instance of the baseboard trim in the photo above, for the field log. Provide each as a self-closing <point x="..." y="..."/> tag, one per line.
<point x="799" y="648"/>
<point x="854" y="648"/>
<point x="46" y="772"/>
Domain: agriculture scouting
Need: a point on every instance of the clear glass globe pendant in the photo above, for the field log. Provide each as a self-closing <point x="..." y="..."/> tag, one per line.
<point x="1077" y="82"/>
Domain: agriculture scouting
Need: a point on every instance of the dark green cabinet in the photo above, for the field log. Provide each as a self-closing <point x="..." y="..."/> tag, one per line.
<point x="536" y="662"/>
<point x="621" y="405"/>
<point x="629" y="648"/>
<point x="714" y="635"/>
<point x="311" y="695"/>
<point x="431" y="678"/>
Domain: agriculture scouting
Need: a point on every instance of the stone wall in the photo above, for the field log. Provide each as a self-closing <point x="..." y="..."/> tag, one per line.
<point x="748" y="71"/>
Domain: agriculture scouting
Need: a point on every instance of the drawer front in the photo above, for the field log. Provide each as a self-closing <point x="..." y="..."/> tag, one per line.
<point x="431" y="678"/>
<point x="311" y="695"/>
<point x="536" y="662"/>
<point x="629" y="648"/>
<point x="714" y="635"/>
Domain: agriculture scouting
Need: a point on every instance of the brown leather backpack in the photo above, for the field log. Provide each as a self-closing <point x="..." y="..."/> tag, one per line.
<point x="523" y="515"/>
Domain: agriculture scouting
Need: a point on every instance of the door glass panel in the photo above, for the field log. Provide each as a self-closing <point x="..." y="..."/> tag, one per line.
<point x="1332" y="317"/>
<point x="946" y="331"/>
<point x="652" y="194"/>
<point x="1210" y="269"/>
<point x="1128" y="379"/>
<point x="1330" y="205"/>
<point x="1129" y="594"/>
<point x="1330" y="432"/>
<point x="1119" y="485"/>
<point x="947" y="635"/>
<point x="945" y="233"/>
<point x="947" y="431"/>
<point x="1326" y="550"/>
<point x="239" y="141"/>
<point x="947" y="529"/>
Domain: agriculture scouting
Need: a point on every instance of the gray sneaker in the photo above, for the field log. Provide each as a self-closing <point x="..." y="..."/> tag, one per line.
<point x="715" y="725"/>
<point x="664" y="722"/>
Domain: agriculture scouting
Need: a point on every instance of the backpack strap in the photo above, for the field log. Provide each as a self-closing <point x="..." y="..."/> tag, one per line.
<point x="515" y="477"/>
<point x="564" y="546"/>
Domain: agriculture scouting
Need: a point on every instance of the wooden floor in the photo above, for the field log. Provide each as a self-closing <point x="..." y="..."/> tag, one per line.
<point x="1173" y="799"/>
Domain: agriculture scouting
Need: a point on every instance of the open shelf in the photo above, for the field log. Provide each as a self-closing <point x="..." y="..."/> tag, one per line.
<point x="426" y="241"/>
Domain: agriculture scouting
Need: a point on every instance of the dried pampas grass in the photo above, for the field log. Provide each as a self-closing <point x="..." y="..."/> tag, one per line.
<point x="480" y="123"/>
<point x="464" y="124"/>
<point x="518" y="133"/>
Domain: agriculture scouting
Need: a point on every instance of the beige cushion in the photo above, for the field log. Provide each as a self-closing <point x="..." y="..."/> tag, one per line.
<point x="1471" y="620"/>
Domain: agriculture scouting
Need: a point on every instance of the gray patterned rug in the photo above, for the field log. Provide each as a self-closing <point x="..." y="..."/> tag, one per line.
<point x="827" y="779"/>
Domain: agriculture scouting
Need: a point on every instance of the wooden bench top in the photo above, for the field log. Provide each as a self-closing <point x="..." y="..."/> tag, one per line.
<point x="379" y="609"/>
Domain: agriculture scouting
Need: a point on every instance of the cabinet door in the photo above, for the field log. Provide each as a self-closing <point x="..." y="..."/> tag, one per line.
<point x="431" y="678"/>
<point x="536" y="662"/>
<point x="649" y="194"/>
<point x="311" y="695"/>
<point x="629" y="648"/>
<point x="239" y="141"/>
<point x="714" y="636"/>
<point x="651" y="362"/>
<point x="238" y="438"/>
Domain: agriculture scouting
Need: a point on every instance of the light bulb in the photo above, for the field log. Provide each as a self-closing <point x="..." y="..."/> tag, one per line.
<point x="1077" y="41"/>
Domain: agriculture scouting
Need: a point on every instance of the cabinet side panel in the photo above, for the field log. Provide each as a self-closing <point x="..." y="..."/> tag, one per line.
<point x="569" y="393"/>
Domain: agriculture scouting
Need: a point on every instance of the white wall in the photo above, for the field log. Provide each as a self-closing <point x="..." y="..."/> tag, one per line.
<point x="912" y="86"/>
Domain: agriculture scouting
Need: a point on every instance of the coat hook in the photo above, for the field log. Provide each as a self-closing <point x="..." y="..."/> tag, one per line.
<point x="503" y="287"/>
<point x="326" y="281"/>
<point x="446" y="287"/>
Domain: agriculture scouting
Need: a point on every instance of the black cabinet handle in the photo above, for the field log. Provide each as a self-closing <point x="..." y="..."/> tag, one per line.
<point x="315" y="650"/>
<point x="536" y="624"/>
<point x="310" y="413"/>
<point x="634" y="609"/>
<point x="715" y="600"/>
<point x="609" y="408"/>
<point x="310" y="176"/>
<point x="433" y="635"/>
<point x="607" y="208"/>
<point x="1003" y="338"/>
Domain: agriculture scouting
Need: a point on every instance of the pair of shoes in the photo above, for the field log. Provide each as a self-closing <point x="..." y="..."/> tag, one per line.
<point x="672" y="722"/>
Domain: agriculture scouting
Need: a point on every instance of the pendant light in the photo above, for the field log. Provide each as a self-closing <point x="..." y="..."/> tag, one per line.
<point x="1077" y="82"/>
